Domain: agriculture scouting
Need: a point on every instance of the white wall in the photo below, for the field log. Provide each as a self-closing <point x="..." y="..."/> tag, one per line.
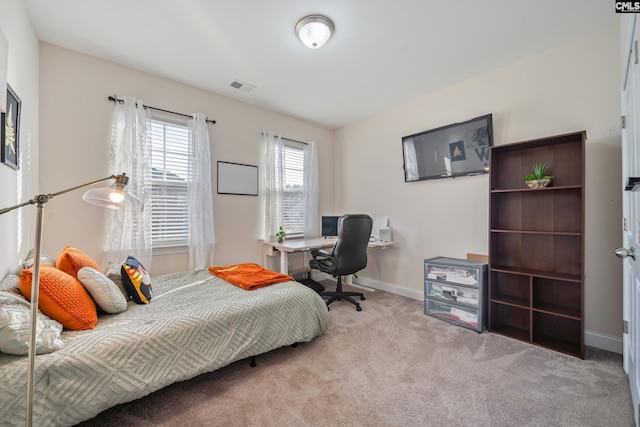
<point x="17" y="227"/>
<point x="570" y="88"/>
<point x="75" y="121"/>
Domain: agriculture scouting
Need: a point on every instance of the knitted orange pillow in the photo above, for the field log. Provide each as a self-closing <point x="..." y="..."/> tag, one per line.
<point x="62" y="298"/>
<point x="71" y="260"/>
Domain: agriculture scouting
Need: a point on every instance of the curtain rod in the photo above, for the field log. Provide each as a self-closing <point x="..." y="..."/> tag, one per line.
<point x="114" y="98"/>
<point x="293" y="140"/>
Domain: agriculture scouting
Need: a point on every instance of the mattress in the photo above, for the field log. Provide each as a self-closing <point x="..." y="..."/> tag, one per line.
<point x="195" y="323"/>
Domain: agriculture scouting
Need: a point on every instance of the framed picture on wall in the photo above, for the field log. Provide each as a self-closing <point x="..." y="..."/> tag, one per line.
<point x="236" y="178"/>
<point x="10" y="131"/>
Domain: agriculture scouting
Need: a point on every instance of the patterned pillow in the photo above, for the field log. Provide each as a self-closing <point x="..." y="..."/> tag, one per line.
<point x="62" y="298"/>
<point x="45" y="259"/>
<point x="136" y="281"/>
<point x="103" y="291"/>
<point x="71" y="260"/>
<point x="9" y="283"/>
<point x="15" y="315"/>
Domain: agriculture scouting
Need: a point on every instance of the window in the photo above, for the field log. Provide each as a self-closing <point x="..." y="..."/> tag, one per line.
<point x="169" y="183"/>
<point x="293" y="191"/>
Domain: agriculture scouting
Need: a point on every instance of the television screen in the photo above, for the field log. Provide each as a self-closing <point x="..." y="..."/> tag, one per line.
<point x="458" y="149"/>
<point x="330" y="226"/>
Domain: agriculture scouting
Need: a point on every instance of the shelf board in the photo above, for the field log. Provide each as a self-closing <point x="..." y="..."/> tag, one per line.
<point x="569" y="347"/>
<point x="537" y="273"/>
<point x="558" y="310"/>
<point x="544" y="233"/>
<point x="507" y="300"/>
<point x="511" y="331"/>
<point x="527" y="189"/>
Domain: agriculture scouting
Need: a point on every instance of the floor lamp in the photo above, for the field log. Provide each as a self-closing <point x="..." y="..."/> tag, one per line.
<point x="112" y="197"/>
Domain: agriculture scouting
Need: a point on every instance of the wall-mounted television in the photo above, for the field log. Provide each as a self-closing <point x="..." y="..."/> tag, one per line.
<point x="330" y="226"/>
<point x="458" y="149"/>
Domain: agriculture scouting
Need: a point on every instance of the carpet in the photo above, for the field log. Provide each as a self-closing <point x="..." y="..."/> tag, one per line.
<point x="391" y="365"/>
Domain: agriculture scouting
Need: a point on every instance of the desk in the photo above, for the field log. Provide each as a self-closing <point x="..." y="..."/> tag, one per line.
<point x="301" y="245"/>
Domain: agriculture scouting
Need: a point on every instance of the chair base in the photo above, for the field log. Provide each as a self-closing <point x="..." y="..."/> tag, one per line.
<point x="339" y="295"/>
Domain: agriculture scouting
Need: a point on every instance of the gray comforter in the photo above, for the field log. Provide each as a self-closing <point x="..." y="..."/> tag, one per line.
<point x="195" y="323"/>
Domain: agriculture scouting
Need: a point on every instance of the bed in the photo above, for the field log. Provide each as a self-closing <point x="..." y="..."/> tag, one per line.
<point x="195" y="323"/>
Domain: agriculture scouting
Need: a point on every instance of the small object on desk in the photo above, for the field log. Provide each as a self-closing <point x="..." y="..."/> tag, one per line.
<point x="381" y="231"/>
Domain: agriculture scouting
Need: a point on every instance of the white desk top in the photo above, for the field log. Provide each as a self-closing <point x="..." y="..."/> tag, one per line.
<point x="302" y="245"/>
<point x="295" y="245"/>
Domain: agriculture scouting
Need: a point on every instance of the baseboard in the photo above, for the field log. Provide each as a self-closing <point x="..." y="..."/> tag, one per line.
<point x="376" y="284"/>
<point x="603" y="342"/>
<point x="591" y="338"/>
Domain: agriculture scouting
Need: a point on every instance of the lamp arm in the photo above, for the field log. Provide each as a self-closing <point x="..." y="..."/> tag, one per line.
<point x="82" y="185"/>
<point x="44" y="198"/>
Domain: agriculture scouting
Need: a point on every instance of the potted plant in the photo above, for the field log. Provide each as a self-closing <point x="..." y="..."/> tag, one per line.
<point x="281" y="235"/>
<point x="539" y="177"/>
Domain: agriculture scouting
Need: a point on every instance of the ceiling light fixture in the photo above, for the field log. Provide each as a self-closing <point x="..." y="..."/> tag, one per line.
<point x="314" y="30"/>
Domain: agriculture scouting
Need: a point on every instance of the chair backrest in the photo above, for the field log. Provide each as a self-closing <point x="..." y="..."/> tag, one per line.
<point x="350" y="250"/>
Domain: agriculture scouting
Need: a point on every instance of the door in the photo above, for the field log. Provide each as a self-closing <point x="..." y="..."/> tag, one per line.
<point x="631" y="211"/>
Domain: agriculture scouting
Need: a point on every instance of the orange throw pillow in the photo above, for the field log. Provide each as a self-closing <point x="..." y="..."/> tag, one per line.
<point x="62" y="298"/>
<point x="71" y="260"/>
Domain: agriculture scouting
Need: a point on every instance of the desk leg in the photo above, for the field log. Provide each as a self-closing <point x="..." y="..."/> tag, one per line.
<point x="284" y="262"/>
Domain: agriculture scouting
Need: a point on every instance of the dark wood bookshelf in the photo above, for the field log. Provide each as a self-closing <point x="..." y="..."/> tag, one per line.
<point x="536" y="243"/>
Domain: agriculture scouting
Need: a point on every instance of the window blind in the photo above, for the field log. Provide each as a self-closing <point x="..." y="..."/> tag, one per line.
<point x="293" y="191"/>
<point x="169" y="183"/>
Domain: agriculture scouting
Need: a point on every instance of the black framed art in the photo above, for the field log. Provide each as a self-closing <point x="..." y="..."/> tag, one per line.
<point x="10" y="131"/>
<point x="236" y="178"/>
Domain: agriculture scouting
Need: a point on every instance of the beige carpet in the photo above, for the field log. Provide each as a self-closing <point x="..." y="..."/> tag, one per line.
<point x="390" y="365"/>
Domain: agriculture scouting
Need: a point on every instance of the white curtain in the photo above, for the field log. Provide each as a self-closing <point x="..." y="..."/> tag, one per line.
<point x="311" y="186"/>
<point x="128" y="230"/>
<point x="272" y="183"/>
<point x="201" y="230"/>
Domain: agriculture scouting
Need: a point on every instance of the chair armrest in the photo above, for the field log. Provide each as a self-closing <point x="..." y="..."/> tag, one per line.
<point x="323" y="261"/>
<point x="319" y="252"/>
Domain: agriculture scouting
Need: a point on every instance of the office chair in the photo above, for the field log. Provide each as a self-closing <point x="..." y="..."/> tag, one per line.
<point x="348" y="256"/>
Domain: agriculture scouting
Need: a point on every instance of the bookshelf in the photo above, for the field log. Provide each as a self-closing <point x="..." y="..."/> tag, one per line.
<point x="536" y="243"/>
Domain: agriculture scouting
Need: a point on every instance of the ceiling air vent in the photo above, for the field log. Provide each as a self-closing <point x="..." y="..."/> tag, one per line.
<point x="245" y="87"/>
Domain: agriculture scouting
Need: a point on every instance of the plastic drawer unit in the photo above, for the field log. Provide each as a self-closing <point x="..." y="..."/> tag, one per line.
<point x="455" y="290"/>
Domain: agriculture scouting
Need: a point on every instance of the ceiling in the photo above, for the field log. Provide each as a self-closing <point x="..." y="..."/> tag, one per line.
<point x="384" y="53"/>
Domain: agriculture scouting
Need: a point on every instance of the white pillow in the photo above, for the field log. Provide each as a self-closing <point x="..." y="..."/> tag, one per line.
<point x="15" y="312"/>
<point x="103" y="291"/>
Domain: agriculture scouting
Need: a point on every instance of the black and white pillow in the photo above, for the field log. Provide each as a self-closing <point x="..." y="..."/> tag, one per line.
<point x="136" y="281"/>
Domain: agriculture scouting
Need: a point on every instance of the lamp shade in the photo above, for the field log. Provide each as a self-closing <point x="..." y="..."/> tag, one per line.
<point x="314" y="30"/>
<point x="114" y="196"/>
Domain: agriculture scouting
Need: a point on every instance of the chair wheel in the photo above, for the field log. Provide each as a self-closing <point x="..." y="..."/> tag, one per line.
<point x="358" y="308"/>
<point x="362" y="298"/>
